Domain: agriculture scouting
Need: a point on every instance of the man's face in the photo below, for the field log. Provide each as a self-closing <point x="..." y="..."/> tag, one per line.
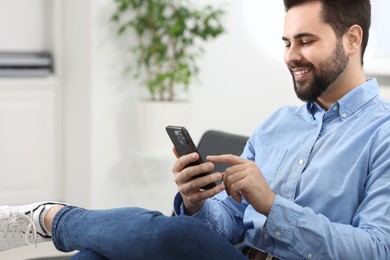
<point x="313" y="54"/>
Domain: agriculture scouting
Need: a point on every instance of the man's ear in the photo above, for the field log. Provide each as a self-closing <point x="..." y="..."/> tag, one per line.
<point x="353" y="38"/>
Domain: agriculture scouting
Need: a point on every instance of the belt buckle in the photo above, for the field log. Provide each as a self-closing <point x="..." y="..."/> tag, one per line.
<point x="250" y="252"/>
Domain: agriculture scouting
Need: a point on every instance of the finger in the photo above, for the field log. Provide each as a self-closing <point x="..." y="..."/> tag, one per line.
<point x="201" y="195"/>
<point x="234" y="174"/>
<point x="184" y="160"/>
<point x="237" y="196"/>
<point x="226" y="158"/>
<point x="225" y="182"/>
<point x="235" y="190"/>
<point x="235" y="169"/>
<point x="193" y="194"/>
<point x="201" y="169"/>
<point x="175" y="152"/>
<point x="214" y="191"/>
<point x="199" y="182"/>
<point x="194" y="201"/>
<point x="187" y="184"/>
<point x="189" y="180"/>
<point x="181" y="173"/>
<point x="230" y="183"/>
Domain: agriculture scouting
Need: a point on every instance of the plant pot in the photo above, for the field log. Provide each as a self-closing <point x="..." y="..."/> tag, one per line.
<point x="152" y="118"/>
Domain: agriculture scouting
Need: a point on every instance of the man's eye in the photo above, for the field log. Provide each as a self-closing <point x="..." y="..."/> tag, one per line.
<point x="287" y="45"/>
<point x="306" y="42"/>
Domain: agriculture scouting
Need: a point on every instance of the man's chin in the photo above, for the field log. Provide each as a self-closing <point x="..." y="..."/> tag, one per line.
<point x="305" y="96"/>
<point x="300" y="88"/>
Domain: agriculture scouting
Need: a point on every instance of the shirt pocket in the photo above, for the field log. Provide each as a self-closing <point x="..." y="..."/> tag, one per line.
<point x="269" y="159"/>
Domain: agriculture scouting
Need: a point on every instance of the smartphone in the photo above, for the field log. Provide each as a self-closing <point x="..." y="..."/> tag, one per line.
<point x="183" y="143"/>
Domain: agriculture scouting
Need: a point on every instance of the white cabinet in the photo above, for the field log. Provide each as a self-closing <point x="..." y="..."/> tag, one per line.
<point x="30" y="108"/>
<point x="29" y="141"/>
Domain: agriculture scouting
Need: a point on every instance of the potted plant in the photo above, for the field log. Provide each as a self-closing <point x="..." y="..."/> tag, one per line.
<point x="169" y="34"/>
<point x="167" y="37"/>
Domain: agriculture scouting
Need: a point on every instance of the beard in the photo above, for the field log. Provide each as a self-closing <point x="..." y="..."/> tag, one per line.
<point x="324" y="74"/>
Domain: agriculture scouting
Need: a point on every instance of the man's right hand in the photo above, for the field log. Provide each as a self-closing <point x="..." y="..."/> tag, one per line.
<point x="190" y="188"/>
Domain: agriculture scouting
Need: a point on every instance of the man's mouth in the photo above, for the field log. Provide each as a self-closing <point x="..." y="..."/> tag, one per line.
<point x="300" y="74"/>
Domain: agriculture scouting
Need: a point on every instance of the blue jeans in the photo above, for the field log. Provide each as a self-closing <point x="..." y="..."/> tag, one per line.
<point x="135" y="233"/>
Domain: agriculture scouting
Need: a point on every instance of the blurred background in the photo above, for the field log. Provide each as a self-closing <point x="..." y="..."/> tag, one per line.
<point x="72" y="130"/>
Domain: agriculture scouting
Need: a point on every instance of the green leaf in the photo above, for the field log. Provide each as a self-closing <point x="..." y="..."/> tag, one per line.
<point x="167" y="44"/>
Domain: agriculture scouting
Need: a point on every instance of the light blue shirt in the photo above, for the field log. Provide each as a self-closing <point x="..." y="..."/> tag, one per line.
<point x="331" y="173"/>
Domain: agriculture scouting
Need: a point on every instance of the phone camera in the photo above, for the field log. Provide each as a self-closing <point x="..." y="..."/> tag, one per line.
<point x="181" y="137"/>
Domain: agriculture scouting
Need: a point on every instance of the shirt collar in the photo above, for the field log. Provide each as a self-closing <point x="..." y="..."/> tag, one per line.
<point x="352" y="101"/>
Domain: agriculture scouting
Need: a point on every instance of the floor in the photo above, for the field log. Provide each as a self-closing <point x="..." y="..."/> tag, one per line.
<point x="42" y="251"/>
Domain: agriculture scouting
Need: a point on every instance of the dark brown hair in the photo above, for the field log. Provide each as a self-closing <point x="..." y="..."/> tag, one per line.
<point x="342" y="14"/>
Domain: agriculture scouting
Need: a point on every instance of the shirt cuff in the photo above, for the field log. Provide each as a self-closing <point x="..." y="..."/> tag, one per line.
<point x="178" y="207"/>
<point x="283" y="219"/>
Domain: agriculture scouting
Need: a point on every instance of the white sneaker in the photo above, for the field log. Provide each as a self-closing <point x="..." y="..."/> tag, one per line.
<point x="20" y="225"/>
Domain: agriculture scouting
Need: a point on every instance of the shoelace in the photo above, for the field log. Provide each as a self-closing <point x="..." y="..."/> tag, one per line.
<point x="19" y="223"/>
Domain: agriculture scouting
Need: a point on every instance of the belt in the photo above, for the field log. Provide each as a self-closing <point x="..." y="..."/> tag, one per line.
<point x="254" y="254"/>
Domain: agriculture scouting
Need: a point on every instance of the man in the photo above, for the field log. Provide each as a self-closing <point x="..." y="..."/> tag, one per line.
<point x="312" y="182"/>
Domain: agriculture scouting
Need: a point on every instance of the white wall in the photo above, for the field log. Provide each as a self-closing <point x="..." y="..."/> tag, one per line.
<point x="77" y="96"/>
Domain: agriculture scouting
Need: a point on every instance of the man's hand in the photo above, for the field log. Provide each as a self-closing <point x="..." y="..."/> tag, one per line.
<point x="189" y="187"/>
<point x="244" y="179"/>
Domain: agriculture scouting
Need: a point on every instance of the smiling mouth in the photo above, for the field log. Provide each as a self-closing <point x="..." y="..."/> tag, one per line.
<point x="299" y="74"/>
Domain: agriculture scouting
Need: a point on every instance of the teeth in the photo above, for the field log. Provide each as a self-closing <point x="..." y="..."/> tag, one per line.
<point x="300" y="72"/>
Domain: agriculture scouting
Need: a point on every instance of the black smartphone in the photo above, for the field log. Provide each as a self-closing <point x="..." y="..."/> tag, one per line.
<point x="183" y="143"/>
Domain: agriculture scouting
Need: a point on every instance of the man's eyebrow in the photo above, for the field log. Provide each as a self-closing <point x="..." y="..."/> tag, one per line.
<point x="298" y="36"/>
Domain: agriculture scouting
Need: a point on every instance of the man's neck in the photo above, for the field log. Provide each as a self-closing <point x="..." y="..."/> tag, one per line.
<point x="348" y="80"/>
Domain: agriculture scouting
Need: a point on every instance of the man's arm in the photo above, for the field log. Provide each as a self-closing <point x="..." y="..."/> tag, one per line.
<point x="221" y="213"/>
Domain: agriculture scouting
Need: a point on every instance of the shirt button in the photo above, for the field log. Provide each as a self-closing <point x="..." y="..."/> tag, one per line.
<point x="301" y="162"/>
<point x="265" y="236"/>
<point x="335" y="108"/>
<point x="344" y="115"/>
<point x="278" y="233"/>
<point x="309" y="255"/>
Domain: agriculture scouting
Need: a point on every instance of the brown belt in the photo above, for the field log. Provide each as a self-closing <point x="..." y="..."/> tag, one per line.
<point x="254" y="254"/>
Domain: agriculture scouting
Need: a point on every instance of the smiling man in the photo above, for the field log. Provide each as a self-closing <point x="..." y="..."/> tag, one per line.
<point x="312" y="181"/>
